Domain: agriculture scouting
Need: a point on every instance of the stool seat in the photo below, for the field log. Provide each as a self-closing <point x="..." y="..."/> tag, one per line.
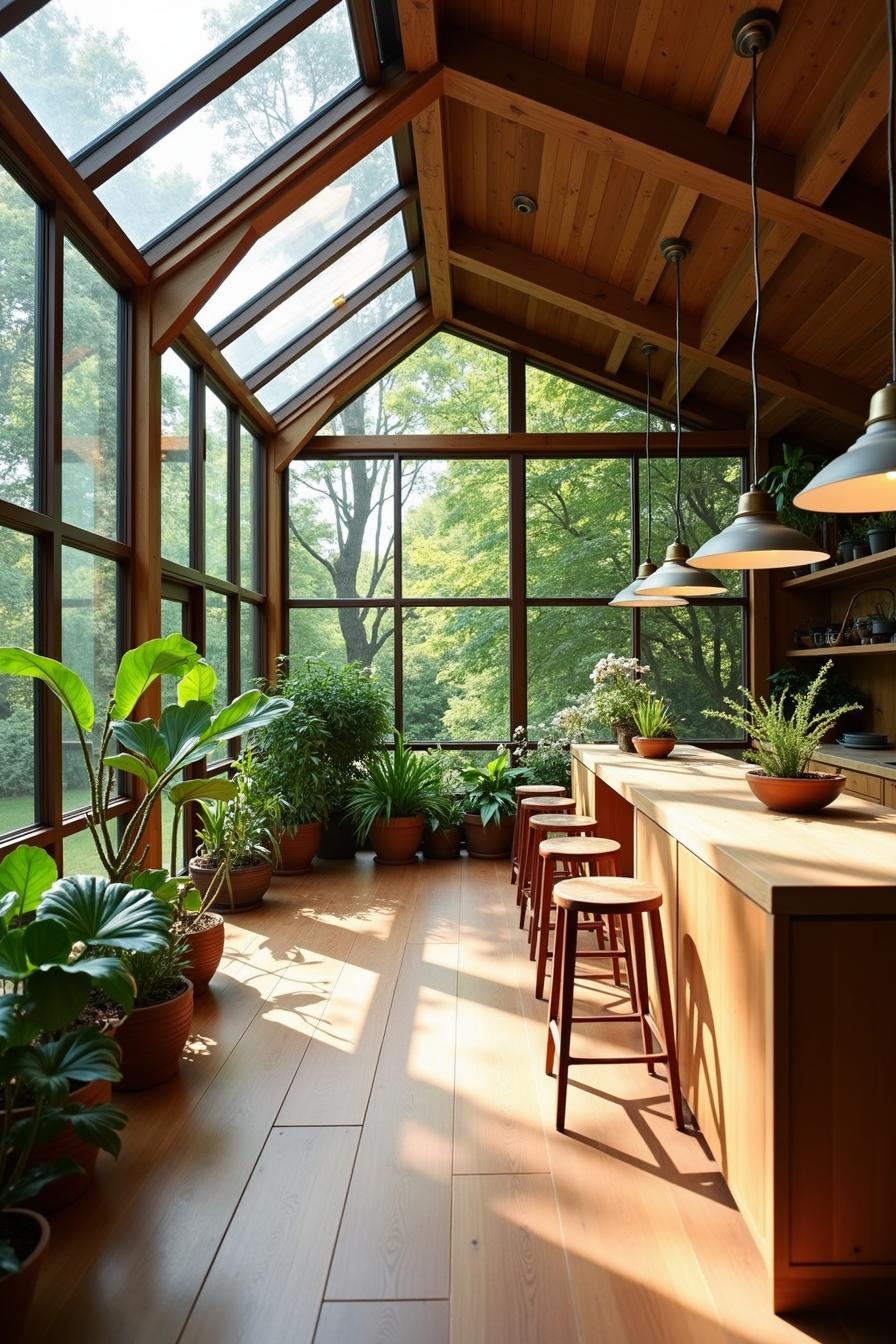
<point x="607" y="895"/>
<point x="557" y="802"/>
<point x="540" y="791"/>
<point x="565" y="821"/>
<point x="577" y="847"/>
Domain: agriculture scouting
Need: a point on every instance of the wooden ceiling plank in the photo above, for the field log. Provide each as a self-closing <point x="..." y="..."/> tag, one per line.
<point x="562" y="287"/>
<point x="736" y="296"/>
<point x="177" y="300"/>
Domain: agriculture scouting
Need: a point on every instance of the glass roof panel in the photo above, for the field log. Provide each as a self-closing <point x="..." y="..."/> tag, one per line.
<point x="337" y="282"/>
<point x="82" y="65"/>
<point x="303" y="232"/>
<point x="234" y="129"/>
<point x="338" y="344"/>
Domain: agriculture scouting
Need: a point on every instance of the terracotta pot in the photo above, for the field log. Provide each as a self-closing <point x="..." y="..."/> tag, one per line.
<point x="443" y="843"/>
<point x="30" y="1235"/>
<point x="337" y="838"/>
<point x="397" y="840"/>
<point x="625" y="734"/>
<point x="488" y="842"/>
<point x="205" y="948"/>
<point x="67" y="1144"/>
<point x="247" y="885"/>
<point x="805" y="793"/>
<point x="298" y="848"/>
<point x="152" y="1040"/>
<point x="654" y="748"/>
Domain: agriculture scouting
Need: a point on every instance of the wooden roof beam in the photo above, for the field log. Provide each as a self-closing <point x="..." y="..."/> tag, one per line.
<point x="592" y="299"/>
<point x="663" y="142"/>
<point x="177" y="300"/>
<point x="205" y="350"/>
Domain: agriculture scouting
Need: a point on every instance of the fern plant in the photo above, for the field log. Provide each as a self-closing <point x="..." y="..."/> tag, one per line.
<point x="398" y="783"/>
<point x="786" y="728"/>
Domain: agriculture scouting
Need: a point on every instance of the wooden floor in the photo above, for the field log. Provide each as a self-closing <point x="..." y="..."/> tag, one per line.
<point x="356" y="1153"/>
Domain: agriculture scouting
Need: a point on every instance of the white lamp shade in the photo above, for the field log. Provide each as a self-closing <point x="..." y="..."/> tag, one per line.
<point x="863" y="479"/>
<point x="757" y="540"/>
<point x="676" y="578"/>
<point x="632" y="596"/>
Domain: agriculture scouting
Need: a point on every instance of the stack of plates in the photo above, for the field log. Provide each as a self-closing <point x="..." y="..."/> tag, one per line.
<point x="868" y="741"/>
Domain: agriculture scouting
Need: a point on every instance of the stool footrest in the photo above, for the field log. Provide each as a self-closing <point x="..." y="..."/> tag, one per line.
<point x="618" y="1059"/>
<point x="609" y="1017"/>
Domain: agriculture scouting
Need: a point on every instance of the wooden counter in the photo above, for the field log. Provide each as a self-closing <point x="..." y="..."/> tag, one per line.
<point x="781" y="934"/>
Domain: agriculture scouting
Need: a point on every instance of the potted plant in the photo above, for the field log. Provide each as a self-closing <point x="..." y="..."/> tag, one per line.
<point x="444" y="830"/>
<point x="237" y="838"/>
<point x="351" y="710"/>
<point x="153" y="1036"/>
<point x="292" y="766"/>
<point x="389" y="804"/>
<point x="883" y="620"/>
<point x="491" y="806"/>
<point x="787" y="730"/>
<point x="619" y="687"/>
<point x="834" y="692"/>
<point x="655" y="737"/>
<point x="549" y="762"/>
<point x="880" y="531"/>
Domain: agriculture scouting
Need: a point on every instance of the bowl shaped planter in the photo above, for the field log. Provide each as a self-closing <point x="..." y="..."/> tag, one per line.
<point x="804" y="793"/>
<point x="204" y="942"/>
<point x="492" y="841"/>
<point x="395" y="840"/>
<point x="152" y="1040"/>
<point x="298" y="848"/>
<point x="654" y="748"/>
<point x="30" y="1235"/>
<point x="247" y="886"/>
<point x="443" y="843"/>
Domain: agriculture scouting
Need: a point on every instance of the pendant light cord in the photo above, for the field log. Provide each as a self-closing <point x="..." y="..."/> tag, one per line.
<point x="891" y="180"/>
<point x="757" y="280"/>
<point x="647" y="462"/>
<point x="678" y="527"/>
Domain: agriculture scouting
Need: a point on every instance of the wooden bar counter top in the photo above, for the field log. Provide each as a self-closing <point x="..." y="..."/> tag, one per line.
<point x="781" y="936"/>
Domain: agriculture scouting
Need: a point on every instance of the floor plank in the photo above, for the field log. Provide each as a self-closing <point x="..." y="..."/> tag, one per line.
<point x="395" y="1234"/>
<point x="383" y="1323"/>
<point x="267" y="1280"/>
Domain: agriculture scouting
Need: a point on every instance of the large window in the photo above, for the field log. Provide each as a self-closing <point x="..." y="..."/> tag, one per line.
<point x="479" y="586"/>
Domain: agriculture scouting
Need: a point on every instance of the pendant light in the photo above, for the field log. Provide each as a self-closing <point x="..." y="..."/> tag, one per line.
<point x="675" y="577"/>
<point x="863" y="479"/>
<point x="757" y="539"/>
<point x="630" y="596"/>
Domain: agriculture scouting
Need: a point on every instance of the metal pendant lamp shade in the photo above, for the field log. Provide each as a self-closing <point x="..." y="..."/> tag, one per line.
<point x="631" y="595"/>
<point x="863" y="479"/>
<point x="756" y="539"/>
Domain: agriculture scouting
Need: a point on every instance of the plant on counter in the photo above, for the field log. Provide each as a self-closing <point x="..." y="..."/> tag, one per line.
<point x="832" y="694"/>
<point x="491" y="805"/>
<point x="237" y="841"/>
<point x="547" y="763"/>
<point x="619" y="686"/>
<point x="655" y="728"/>
<point x="153" y="753"/>
<point x="391" y="801"/>
<point x="787" y="730"/>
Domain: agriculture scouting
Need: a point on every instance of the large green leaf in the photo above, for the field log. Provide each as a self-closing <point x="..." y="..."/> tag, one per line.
<point x="251" y="710"/>
<point x="182" y="728"/>
<point x="82" y="1056"/>
<point x="55" y="996"/>
<point x="132" y="765"/>
<point x="14" y="964"/>
<point x="65" y="684"/>
<point x="143" y="739"/>
<point x="190" y="790"/>
<point x="46" y="941"/>
<point x="28" y="872"/>
<point x="198" y="684"/>
<point x="140" y="667"/>
<point x="110" y="975"/>
<point x="35" y="1178"/>
<point x="98" y="1125"/>
<point x="112" y="914"/>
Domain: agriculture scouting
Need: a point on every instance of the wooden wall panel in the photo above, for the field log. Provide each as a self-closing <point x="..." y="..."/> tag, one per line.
<point x="656" y="861"/>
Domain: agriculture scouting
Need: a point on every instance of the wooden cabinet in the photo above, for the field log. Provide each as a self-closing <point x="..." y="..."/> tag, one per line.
<point x="866" y="786"/>
<point x="890" y="793"/>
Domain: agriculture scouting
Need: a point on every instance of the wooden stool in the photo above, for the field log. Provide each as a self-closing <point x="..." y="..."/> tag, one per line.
<point x="528" y="808"/>
<point x="528" y="791"/>
<point x="574" y="852"/>
<point x="628" y="897"/>
<point x="540" y="825"/>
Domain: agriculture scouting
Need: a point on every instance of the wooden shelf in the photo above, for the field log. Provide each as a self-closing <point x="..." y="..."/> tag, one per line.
<point x="841" y="651"/>
<point x="853" y="571"/>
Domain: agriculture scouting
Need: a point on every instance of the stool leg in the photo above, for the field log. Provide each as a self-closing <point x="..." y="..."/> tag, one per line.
<point x="567" y="995"/>
<point x="527" y="874"/>
<point x="544" y="932"/>
<point x="556" y="974"/>
<point x="667" y="1023"/>
<point x="614" y="945"/>
<point x="514" y="844"/>
<point x="637" y="929"/>
<point x="541" y="866"/>
<point x="627" y="958"/>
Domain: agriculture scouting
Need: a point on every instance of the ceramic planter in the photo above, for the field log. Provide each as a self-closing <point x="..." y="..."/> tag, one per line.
<point x="152" y="1040"/>
<point x="397" y="840"/>
<point x="654" y="748"/>
<point x="205" y="948"/>
<point x="247" y="886"/>
<point x="882" y="630"/>
<point x="860" y="549"/>
<point x="805" y="793"/>
<point x="443" y="843"/>
<point x="337" y="838"/>
<point x="67" y="1144"/>
<point x="881" y="539"/>
<point x="488" y="842"/>
<point x="29" y="1234"/>
<point x="625" y="733"/>
<point x="298" y="848"/>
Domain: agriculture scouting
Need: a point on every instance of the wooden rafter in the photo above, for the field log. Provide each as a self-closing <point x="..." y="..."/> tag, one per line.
<point x="198" y="343"/>
<point x="663" y="444"/>
<point x="14" y="12"/>
<point x="178" y="299"/>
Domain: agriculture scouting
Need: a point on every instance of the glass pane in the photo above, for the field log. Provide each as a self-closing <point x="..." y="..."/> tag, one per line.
<point x="343" y="636"/>
<point x="314" y="300"/>
<point x="303" y="232"/>
<point x="18" y="299"/>
<point x="216" y="492"/>
<point x="578" y="526"/>
<point x="250" y="517"/>
<point x="81" y="65"/>
<point x="90" y="407"/>
<point x="340" y="532"/>
<point x="563" y="645"/>
<point x="447" y="386"/>
<point x="557" y="405"/>
<point x="233" y="130"/>
<point x="338" y="344"/>
<point x="176" y="381"/>
<point x="17" y="801"/>
<point x="710" y="488"/>
<point x="456" y="673"/>
<point x="90" y="646"/>
<point x="455" y="529"/>
<point x="216" y="654"/>
<point x="695" y="655"/>
<point x="250" y="644"/>
<point x="79" y="855"/>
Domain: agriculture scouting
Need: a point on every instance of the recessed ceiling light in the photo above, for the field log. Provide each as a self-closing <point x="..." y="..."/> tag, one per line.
<point x="524" y="205"/>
